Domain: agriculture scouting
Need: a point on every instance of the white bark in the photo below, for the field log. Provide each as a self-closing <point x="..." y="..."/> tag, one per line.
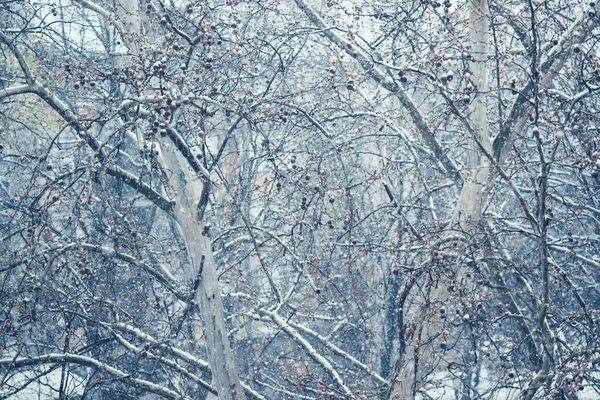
<point x="467" y="213"/>
<point x="187" y="187"/>
<point x="130" y="15"/>
<point x="423" y="344"/>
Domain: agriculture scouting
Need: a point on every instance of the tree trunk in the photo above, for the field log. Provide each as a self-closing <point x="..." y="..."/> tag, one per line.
<point x="467" y="213"/>
<point x="129" y="14"/>
<point x="188" y="189"/>
<point x="428" y="346"/>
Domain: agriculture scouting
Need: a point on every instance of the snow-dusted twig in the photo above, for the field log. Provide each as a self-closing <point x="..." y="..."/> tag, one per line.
<point x="183" y="355"/>
<point x="327" y="343"/>
<point x="384" y="80"/>
<point x="53" y="358"/>
<point x="314" y="354"/>
<point x="171" y="364"/>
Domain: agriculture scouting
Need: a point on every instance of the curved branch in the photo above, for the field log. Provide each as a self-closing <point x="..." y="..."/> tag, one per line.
<point x="14" y="90"/>
<point x="549" y="66"/>
<point x="314" y="354"/>
<point x="54" y="358"/>
<point x="160" y="358"/>
<point x="101" y="11"/>
<point x="176" y="352"/>
<point x="186" y="152"/>
<point x="380" y="77"/>
<point x="20" y="59"/>
<point x="72" y="120"/>
<point x="164" y="277"/>
<point x="142" y="188"/>
<point x="340" y="352"/>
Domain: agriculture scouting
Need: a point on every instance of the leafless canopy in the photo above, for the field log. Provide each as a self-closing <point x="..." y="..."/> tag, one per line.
<point x="298" y="199"/>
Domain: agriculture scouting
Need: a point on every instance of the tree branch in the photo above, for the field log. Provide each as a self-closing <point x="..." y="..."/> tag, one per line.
<point x="54" y="358"/>
<point x="384" y="80"/>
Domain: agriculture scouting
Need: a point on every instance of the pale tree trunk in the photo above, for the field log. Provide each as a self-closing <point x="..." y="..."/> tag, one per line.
<point x="129" y="14"/>
<point x="467" y="213"/>
<point x="426" y="342"/>
<point x="187" y="188"/>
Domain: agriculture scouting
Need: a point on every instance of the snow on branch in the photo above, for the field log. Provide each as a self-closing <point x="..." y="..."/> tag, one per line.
<point x="57" y="358"/>
<point x="180" y="354"/>
<point x="380" y="77"/>
<point x="318" y="358"/>
<point x="340" y="352"/>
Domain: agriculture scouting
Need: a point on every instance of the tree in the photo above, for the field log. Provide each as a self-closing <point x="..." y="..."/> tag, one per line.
<point x="341" y="200"/>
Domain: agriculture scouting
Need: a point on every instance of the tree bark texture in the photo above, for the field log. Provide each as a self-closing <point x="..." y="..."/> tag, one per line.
<point x="187" y="187"/>
<point x="429" y="345"/>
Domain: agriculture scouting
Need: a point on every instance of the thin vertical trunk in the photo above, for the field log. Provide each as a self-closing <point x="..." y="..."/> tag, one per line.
<point x="187" y="188"/>
<point x="425" y="347"/>
<point x="467" y="213"/>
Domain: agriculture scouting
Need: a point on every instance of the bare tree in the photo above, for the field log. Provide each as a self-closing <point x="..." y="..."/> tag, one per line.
<point x="299" y="200"/>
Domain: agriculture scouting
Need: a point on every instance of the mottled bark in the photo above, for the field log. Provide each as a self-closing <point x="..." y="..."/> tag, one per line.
<point x="427" y="345"/>
<point x="187" y="178"/>
<point x="467" y="213"/>
<point x="187" y="187"/>
<point x="129" y="14"/>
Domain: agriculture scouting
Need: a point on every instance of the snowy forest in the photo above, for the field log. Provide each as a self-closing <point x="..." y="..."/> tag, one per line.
<point x="299" y="199"/>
